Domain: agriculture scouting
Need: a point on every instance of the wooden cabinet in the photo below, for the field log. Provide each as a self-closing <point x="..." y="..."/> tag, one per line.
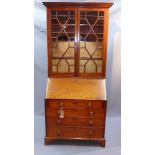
<point x="75" y="102"/>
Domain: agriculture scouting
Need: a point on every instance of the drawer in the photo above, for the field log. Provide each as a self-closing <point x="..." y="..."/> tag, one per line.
<point x="76" y="112"/>
<point x="84" y="122"/>
<point x="75" y="103"/>
<point x="75" y="132"/>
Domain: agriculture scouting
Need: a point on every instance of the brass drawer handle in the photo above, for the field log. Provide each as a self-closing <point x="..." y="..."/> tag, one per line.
<point x="90" y="133"/>
<point x="59" y="132"/>
<point x="91" y="113"/>
<point x="91" y="122"/>
<point x="61" y="113"/>
<point x="89" y="104"/>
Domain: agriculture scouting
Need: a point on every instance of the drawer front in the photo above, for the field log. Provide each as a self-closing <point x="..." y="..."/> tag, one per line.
<point x="83" y="122"/>
<point x="75" y="112"/>
<point x="70" y="132"/>
<point x="74" y="104"/>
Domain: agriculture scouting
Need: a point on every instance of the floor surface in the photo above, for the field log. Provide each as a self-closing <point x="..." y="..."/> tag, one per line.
<point x="113" y="141"/>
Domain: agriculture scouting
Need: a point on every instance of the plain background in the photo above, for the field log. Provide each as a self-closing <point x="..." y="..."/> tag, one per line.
<point x="17" y="77"/>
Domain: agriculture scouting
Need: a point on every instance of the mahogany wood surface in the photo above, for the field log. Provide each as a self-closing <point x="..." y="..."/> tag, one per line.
<point x="72" y="121"/>
<point x="79" y="132"/>
<point x="85" y="116"/>
<point x="78" y="4"/>
<point x="83" y="104"/>
<point x="76" y="112"/>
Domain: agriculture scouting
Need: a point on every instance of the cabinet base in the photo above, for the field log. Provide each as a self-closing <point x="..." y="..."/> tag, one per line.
<point x="47" y="140"/>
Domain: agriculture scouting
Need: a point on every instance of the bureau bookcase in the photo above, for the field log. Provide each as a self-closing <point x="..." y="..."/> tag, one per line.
<point x="75" y="101"/>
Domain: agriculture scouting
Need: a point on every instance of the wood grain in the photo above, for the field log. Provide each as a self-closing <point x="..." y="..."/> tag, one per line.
<point x="83" y="104"/>
<point x="72" y="121"/>
<point x="77" y="4"/>
<point x="71" y="132"/>
<point x="76" y="112"/>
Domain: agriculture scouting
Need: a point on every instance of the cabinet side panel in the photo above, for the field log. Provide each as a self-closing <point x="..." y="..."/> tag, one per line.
<point x="48" y="39"/>
<point x="45" y="105"/>
<point x="106" y="15"/>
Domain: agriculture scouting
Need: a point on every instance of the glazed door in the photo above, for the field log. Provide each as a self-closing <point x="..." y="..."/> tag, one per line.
<point x="62" y="46"/>
<point x="77" y="42"/>
<point x="92" y="30"/>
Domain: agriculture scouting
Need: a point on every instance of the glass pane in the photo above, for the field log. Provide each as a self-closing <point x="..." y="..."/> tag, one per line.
<point x="63" y="41"/>
<point x="91" y="41"/>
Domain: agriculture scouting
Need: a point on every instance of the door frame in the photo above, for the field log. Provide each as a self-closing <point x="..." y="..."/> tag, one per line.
<point x="105" y="37"/>
<point x="49" y="45"/>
